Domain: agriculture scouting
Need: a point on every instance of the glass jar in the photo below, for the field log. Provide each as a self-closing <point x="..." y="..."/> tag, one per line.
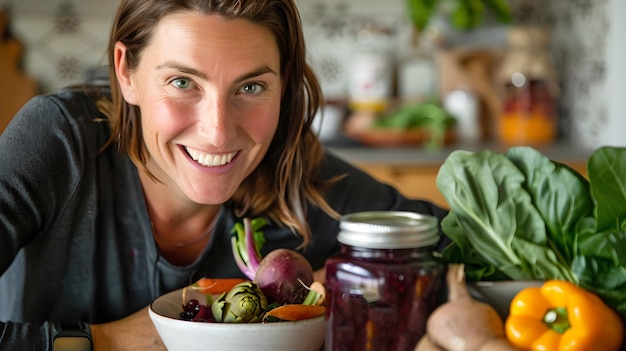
<point x="384" y="283"/>
<point x="371" y="75"/>
<point x="529" y="89"/>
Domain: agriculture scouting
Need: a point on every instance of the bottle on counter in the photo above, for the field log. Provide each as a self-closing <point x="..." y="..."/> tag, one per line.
<point x="385" y="282"/>
<point x="528" y="84"/>
<point x="463" y="104"/>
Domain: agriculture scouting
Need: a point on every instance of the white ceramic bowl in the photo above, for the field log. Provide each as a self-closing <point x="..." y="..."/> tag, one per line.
<point x="499" y="294"/>
<point x="179" y="335"/>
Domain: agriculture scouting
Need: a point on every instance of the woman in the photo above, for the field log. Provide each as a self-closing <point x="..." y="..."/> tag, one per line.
<point x="107" y="204"/>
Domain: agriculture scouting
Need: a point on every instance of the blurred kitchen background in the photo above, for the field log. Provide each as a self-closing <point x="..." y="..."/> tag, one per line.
<point x="557" y="67"/>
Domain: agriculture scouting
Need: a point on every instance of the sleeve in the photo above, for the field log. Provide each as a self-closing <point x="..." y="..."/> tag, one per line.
<point x="25" y="336"/>
<point x="40" y="169"/>
<point x="40" y="165"/>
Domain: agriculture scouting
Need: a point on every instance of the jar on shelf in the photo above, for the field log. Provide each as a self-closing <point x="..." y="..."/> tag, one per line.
<point x="371" y="75"/>
<point x="384" y="284"/>
<point x="417" y="69"/>
<point x="528" y="82"/>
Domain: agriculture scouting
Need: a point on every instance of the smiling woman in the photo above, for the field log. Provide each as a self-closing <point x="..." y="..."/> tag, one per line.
<point x="216" y="98"/>
<point x="112" y="196"/>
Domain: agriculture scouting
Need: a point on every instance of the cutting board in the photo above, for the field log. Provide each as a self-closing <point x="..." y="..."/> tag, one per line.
<point x="17" y="87"/>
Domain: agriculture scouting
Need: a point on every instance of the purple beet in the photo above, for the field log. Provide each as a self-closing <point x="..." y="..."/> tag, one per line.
<point x="284" y="275"/>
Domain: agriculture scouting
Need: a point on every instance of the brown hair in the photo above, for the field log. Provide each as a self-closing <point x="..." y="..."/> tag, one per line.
<point x="286" y="179"/>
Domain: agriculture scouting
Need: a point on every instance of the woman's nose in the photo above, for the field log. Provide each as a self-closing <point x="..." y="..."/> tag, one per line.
<point x="215" y="122"/>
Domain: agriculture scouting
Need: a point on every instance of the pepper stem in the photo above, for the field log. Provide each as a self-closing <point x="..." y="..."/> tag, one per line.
<point x="556" y="319"/>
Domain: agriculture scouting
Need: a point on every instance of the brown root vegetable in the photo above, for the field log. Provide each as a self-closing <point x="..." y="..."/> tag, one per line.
<point x="463" y="323"/>
<point x="426" y="345"/>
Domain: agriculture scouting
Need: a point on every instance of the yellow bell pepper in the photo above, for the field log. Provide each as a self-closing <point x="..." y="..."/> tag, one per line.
<point x="560" y="316"/>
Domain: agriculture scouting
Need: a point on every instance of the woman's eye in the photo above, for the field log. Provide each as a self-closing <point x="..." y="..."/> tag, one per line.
<point x="181" y="83"/>
<point x="251" y="88"/>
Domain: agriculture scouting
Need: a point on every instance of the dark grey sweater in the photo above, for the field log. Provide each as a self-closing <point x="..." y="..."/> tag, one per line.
<point x="75" y="237"/>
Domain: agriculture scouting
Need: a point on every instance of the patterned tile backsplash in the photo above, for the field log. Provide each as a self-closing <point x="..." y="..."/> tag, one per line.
<point x="63" y="40"/>
<point x="66" y="39"/>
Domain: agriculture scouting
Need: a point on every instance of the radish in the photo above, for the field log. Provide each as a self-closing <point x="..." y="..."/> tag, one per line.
<point x="283" y="274"/>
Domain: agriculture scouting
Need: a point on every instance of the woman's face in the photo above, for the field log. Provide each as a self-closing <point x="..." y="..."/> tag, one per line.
<point x="209" y="91"/>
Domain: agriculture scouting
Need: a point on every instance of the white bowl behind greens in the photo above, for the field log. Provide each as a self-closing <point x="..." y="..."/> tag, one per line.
<point x="181" y="335"/>
<point x="499" y="294"/>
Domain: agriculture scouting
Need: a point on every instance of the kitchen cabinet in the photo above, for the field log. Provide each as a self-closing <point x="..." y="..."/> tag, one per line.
<point x="414" y="172"/>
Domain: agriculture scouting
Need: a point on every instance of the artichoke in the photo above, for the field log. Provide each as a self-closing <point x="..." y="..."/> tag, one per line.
<point x="244" y="303"/>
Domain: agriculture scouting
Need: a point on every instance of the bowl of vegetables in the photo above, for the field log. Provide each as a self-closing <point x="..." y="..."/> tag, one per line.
<point x="180" y="334"/>
<point x="279" y="307"/>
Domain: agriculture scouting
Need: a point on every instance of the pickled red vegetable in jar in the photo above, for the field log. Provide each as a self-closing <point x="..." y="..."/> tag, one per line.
<point x="385" y="283"/>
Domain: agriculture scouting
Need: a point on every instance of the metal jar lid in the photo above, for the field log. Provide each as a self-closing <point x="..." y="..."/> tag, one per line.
<point x="388" y="230"/>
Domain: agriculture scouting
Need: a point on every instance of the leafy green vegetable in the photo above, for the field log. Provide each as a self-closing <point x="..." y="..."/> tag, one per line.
<point x="428" y="115"/>
<point x="607" y="173"/>
<point x="496" y="215"/>
<point x="519" y="215"/>
<point x="420" y="11"/>
<point x="559" y="193"/>
<point x="465" y="14"/>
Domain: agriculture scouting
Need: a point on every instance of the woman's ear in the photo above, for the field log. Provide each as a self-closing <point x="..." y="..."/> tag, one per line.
<point x="123" y="74"/>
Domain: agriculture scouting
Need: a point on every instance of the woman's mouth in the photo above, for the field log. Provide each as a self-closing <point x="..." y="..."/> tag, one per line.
<point x="210" y="160"/>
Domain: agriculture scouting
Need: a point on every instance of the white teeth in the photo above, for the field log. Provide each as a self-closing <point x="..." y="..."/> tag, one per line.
<point x="209" y="159"/>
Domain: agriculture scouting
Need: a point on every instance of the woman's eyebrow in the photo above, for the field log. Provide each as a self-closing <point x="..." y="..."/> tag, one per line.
<point x="257" y="72"/>
<point x="192" y="71"/>
<point x="182" y="68"/>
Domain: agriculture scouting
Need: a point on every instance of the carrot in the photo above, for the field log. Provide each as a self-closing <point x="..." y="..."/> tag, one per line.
<point x="215" y="285"/>
<point x="295" y="312"/>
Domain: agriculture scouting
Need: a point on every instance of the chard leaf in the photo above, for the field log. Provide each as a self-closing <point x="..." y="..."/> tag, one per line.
<point x="493" y="215"/>
<point x="560" y="194"/>
<point x="460" y="252"/>
<point x="607" y="171"/>
<point x="609" y="246"/>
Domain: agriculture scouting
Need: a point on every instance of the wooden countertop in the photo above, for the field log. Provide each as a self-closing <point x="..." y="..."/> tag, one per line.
<point x="413" y="170"/>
